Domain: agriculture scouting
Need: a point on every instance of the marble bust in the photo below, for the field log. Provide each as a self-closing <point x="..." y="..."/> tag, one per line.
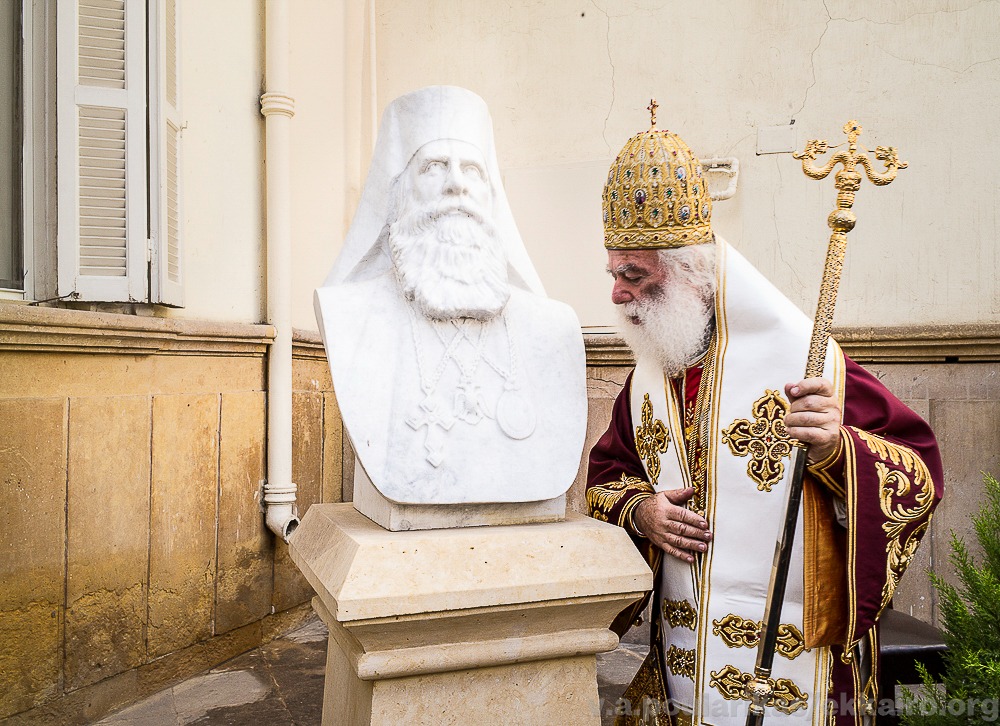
<point x="459" y="381"/>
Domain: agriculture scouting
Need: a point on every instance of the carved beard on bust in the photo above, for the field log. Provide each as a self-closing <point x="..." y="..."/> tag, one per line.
<point x="676" y="324"/>
<point x="449" y="260"/>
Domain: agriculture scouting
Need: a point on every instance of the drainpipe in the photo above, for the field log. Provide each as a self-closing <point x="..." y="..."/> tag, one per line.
<point x="278" y="108"/>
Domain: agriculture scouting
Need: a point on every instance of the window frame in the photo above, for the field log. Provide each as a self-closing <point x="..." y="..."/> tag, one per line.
<point x="18" y="251"/>
<point x="41" y="205"/>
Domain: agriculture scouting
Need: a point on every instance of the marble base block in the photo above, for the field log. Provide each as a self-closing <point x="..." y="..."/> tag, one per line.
<point x="399" y="517"/>
<point x="484" y="625"/>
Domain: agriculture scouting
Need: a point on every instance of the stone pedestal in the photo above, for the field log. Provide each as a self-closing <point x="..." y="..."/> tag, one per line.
<point x="397" y="517"/>
<point x="483" y="625"/>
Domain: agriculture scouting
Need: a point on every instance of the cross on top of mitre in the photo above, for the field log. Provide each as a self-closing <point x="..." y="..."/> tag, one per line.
<point x="653" y="105"/>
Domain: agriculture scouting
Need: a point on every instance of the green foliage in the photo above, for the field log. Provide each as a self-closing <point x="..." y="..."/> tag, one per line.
<point x="971" y="614"/>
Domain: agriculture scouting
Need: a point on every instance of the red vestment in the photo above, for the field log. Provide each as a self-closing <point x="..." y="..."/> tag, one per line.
<point x="887" y="475"/>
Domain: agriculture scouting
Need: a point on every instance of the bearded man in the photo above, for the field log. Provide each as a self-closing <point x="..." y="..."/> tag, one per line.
<point x="693" y="465"/>
<point x="457" y="379"/>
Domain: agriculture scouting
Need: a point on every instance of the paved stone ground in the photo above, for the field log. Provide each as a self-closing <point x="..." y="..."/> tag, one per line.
<point x="281" y="684"/>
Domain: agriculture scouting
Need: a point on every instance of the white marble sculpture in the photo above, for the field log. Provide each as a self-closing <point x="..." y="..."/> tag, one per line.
<point x="459" y="382"/>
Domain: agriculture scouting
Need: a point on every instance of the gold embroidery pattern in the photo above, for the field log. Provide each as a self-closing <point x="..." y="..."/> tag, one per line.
<point x="791" y="641"/>
<point x="602" y="498"/>
<point x="679" y="614"/>
<point x="681" y="662"/>
<point x="647" y="696"/>
<point x="765" y="439"/>
<point x="732" y="683"/>
<point x="698" y="434"/>
<point x="739" y="632"/>
<point x="651" y="439"/>
<point x="893" y="486"/>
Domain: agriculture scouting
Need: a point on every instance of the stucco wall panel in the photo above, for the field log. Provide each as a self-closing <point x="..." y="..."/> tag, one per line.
<point x="48" y="375"/>
<point x="32" y="550"/>
<point x="73" y="632"/>
<point x="333" y="450"/>
<point x="182" y="556"/>
<point x="290" y="587"/>
<point x="107" y="536"/>
<point x="243" y="592"/>
<point x="312" y="374"/>
<point x="969" y="434"/>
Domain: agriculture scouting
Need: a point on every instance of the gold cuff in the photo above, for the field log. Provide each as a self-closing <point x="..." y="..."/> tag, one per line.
<point x="821" y="469"/>
<point x="627" y="518"/>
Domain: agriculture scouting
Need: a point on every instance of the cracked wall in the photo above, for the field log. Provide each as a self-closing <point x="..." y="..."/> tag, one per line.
<point x="568" y="81"/>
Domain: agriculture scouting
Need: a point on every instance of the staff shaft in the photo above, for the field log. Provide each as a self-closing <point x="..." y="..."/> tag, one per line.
<point x="841" y="221"/>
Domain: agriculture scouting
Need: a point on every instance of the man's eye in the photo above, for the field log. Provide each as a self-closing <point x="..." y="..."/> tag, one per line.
<point x="474" y="170"/>
<point x="432" y="166"/>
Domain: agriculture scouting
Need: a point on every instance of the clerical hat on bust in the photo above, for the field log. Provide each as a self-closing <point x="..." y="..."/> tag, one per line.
<point x="656" y="196"/>
<point x="409" y="122"/>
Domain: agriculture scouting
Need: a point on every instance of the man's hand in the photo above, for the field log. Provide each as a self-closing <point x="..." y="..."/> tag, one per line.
<point x="676" y="530"/>
<point x="814" y="417"/>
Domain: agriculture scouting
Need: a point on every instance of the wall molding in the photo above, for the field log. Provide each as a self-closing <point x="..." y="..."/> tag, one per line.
<point x="26" y="328"/>
<point x="902" y="344"/>
<point x="36" y="329"/>
<point x="921" y="344"/>
<point x="307" y="345"/>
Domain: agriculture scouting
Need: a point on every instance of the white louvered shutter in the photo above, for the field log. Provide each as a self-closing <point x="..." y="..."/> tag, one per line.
<point x="165" y="155"/>
<point x="101" y="116"/>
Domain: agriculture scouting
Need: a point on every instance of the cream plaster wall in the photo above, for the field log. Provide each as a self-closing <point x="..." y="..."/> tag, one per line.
<point x="568" y="82"/>
<point x="223" y="151"/>
<point x="319" y="191"/>
<point x="326" y="83"/>
<point x="222" y="66"/>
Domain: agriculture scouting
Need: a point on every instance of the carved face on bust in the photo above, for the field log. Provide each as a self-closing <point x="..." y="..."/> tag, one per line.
<point x="666" y="302"/>
<point x="447" y="254"/>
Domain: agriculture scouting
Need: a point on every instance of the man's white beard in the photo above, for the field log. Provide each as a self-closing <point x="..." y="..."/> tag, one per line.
<point x="675" y="326"/>
<point x="450" y="261"/>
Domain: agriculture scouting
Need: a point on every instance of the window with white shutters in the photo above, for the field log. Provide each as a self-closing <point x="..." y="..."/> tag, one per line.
<point x="165" y="222"/>
<point x="118" y="144"/>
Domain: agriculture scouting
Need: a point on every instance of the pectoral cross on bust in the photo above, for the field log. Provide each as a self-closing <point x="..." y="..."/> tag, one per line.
<point x="436" y="418"/>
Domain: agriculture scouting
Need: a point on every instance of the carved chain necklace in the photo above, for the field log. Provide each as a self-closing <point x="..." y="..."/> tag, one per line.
<point x="428" y="383"/>
<point x="514" y="414"/>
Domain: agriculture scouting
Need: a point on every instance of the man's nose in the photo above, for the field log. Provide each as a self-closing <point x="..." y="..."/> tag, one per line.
<point x="620" y="293"/>
<point x="454" y="181"/>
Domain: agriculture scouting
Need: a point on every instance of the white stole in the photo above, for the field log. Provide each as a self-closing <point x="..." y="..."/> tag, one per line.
<point x="762" y="344"/>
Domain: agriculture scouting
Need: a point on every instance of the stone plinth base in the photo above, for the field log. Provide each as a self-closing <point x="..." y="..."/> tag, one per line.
<point x="399" y="517"/>
<point x="485" y="625"/>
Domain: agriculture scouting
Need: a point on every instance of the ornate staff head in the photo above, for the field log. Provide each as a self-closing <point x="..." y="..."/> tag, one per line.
<point x="841" y="220"/>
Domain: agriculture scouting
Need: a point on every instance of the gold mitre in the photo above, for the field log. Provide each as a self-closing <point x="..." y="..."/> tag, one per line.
<point x="656" y="196"/>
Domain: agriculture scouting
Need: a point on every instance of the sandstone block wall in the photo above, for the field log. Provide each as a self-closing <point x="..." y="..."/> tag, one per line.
<point x="132" y="453"/>
<point x="131" y="462"/>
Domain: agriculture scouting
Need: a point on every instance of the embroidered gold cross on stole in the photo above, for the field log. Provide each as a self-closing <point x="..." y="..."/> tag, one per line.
<point x="651" y="439"/>
<point x="765" y="439"/>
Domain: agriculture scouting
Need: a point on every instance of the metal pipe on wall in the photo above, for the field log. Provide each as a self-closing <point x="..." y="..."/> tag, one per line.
<point x="278" y="108"/>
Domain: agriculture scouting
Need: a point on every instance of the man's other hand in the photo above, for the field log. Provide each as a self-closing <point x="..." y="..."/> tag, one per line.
<point x="668" y="524"/>
<point x="814" y="417"/>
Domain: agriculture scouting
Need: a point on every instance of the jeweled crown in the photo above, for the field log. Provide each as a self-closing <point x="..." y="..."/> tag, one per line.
<point x="656" y="196"/>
